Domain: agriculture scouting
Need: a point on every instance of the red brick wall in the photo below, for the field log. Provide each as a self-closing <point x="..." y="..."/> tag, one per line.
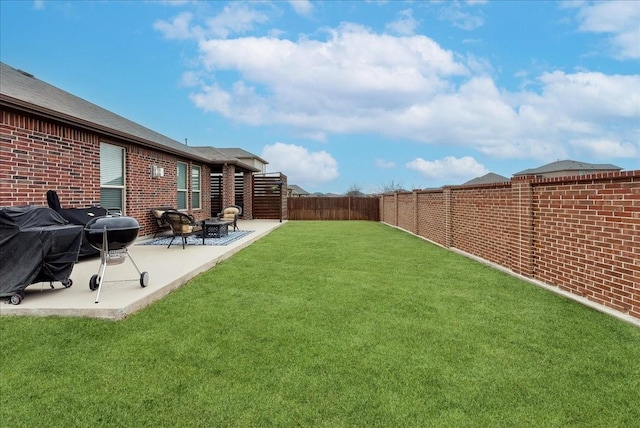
<point x="480" y="222"/>
<point x="388" y="207"/>
<point x="406" y="213"/>
<point x="581" y="234"/>
<point x="587" y="238"/>
<point x="38" y="155"/>
<point x="432" y="216"/>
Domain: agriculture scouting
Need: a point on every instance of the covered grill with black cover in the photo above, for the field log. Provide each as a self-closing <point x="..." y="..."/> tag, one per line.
<point x="36" y="245"/>
<point x="79" y="216"/>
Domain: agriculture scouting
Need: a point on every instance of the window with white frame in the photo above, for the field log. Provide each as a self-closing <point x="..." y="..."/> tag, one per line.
<point x="112" y="179"/>
<point x="183" y="186"/>
<point x="195" y="188"/>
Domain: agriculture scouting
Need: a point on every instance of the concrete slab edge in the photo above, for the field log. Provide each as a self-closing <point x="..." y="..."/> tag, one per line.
<point x="117" y="314"/>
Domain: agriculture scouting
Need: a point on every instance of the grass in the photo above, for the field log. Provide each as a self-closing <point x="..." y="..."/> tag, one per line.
<point x="330" y="324"/>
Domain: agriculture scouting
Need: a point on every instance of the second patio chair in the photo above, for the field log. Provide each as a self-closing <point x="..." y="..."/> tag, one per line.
<point x="231" y="214"/>
<point x="182" y="225"/>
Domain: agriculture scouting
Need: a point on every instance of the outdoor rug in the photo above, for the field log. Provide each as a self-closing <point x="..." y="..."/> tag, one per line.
<point x="197" y="240"/>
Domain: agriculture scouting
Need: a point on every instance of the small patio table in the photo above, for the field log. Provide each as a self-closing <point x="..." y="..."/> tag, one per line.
<point x="215" y="228"/>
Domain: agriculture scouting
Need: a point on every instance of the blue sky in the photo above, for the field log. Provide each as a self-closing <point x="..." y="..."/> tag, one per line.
<point x="354" y="94"/>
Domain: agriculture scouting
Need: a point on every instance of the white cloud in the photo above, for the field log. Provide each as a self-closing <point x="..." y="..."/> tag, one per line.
<point x="619" y="19"/>
<point x="454" y="13"/>
<point x="356" y="81"/>
<point x="178" y="28"/>
<point x="603" y="148"/>
<point x="405" y="25"/>
<point x="592" y="95"/>
<point x="38" y="4"/>
<point x="448" y="169"/>
<point x="235" y="18"/>
<point x="302" y="7"/>
<point x="338" y="85"/>
<point x="384" y="164"/>
<point x="301" y="166"/>
<point x="176" y="2"/>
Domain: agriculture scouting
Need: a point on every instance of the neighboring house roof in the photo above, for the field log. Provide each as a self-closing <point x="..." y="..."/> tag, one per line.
<point x="219" y="153"/>
<point x="21" y="90"/>
<point x="568" y="165"/>
<point x="297" y="190"/>
<point x="489" y="178"/>
<point x="234" y="152"/>
<point x="210" y="152"/>
<point x="327" y="195"/>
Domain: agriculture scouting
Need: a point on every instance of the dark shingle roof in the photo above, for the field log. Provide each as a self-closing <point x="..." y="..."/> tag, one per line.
<point x="238" y="153"/>
<point x="489" y="178"/>
<point x="22" y="90"/>
<point x="297" y="190"/>
<point x="568" y="165"/>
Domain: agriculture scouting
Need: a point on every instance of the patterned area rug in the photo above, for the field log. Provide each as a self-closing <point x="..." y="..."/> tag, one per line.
<point x="197" y="240"/>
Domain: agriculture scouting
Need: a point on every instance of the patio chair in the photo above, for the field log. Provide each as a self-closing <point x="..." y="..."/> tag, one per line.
<point x="231" y="213"/>
<point x="161" y="224"/>
<point x="182" y="225"/>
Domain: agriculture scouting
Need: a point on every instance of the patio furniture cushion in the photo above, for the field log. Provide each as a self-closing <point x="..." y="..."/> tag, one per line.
<point x="161" y="224"/>
<point x="187" y="228"/>
<point x="231" y="213"/>
<point x="181" y="225"/>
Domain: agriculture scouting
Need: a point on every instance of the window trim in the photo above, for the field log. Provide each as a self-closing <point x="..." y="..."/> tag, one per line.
<point x="180" y="190"/>
<point x="197" y="197"/>
<point x="123" y="164"/>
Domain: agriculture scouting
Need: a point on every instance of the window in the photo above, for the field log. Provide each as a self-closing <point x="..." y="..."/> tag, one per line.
<point x="195" y="187"/>
<point x="111" y="176"/>
<point x="182" y="186"/>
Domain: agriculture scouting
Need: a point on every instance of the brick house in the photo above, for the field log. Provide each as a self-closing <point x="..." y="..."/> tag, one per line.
<point x="53" y="140"/>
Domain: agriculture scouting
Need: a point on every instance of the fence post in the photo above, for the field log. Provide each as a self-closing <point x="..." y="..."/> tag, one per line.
<point x="522" y="225"/>
<point x="396" y="222"/>
<point x="448" y="227"/>
<point x="415" y="212"/>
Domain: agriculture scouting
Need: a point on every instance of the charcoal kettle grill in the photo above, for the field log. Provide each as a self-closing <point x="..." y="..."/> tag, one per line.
<point x="112" y="235"/>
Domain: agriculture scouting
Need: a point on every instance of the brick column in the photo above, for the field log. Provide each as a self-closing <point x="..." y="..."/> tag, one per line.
<point x="415" y="212"/>
<point x="247" y="195"/>
<point x="521" y="231"/>
<point x="228" y="185"/>
<point x="395" y="210"/>
<point x="448" y="216"/>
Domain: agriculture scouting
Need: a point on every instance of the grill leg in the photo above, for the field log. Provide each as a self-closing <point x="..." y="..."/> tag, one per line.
<point x="134" y="263"/>
<point x="103" y="265"/>
<point x="103" y="268"/>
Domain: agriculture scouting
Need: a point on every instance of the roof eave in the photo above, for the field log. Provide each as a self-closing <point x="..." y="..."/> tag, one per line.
<point x="27" y="107"/>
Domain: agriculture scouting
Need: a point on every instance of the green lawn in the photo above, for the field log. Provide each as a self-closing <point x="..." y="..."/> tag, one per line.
<point x="330" y="324"/>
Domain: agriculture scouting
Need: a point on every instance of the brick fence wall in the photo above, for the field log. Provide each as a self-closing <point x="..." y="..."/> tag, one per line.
<point x="580" y="234"/>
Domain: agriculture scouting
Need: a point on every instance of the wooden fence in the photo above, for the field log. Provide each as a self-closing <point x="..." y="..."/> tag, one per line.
<point x="334" y="208"/>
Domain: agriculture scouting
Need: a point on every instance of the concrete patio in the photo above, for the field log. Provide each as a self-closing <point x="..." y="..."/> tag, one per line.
<point x="121" y="294"/>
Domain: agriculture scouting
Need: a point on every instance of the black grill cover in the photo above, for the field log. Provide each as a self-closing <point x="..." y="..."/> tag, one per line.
<point x="80" y="216"/>
<point x="36" y="244"/>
